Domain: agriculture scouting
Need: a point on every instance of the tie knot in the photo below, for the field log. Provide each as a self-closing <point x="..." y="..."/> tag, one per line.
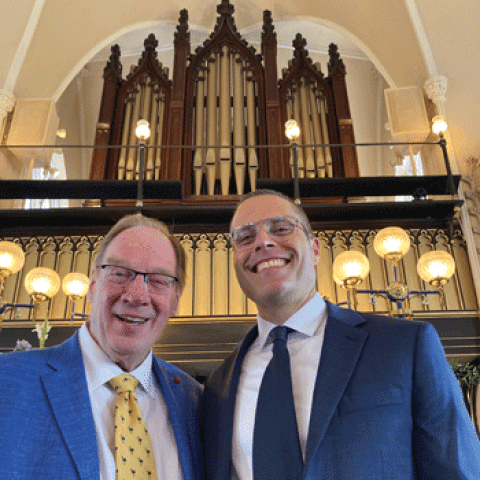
<point x="280" y="333"/>
<point x="124" y="383"/>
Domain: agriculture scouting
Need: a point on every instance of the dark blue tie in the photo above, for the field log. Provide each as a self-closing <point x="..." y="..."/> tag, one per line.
<point x="276" y="446"/>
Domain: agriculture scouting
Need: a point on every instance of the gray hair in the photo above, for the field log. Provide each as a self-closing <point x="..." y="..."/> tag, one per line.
<point x="138" y="220"/>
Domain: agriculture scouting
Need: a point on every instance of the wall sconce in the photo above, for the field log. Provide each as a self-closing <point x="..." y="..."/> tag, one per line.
<point x="350" y="268"/>
<point x="12" y="260"/>
<point x="75" y="285"/>
<point x="436" y="268"/>
<point x="143" y="133"/>
<point x="439" y="125"/>
<point x="392" y="243"/>
<point x="292" y="131"/>
<point x="42" y="284"/>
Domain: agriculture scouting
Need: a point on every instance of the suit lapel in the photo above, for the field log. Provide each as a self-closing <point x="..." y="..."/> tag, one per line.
<point x="174" y="402"/>
<point x="67" y="391"/>
<point x="340" y="352"/>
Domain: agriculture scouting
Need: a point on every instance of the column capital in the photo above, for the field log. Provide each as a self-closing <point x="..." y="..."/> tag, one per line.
<point x="7" y="102"/>
<point x="435" y="88"/>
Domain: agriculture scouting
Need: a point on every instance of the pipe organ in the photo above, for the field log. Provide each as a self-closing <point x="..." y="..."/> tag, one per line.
<point x="225" y="114"/>
<point x="224" y="108"/>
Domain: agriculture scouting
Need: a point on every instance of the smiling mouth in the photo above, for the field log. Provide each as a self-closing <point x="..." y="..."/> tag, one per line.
<point x="278" y="262"/>
<point x="132" y="320"/>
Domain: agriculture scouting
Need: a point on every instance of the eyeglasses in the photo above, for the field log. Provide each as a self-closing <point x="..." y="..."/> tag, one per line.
<point x="276" y="227"/>
<point x="156" y="282"/>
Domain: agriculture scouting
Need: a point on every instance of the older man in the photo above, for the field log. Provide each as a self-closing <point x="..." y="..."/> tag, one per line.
<point x="100" y="405"/>
<point x="319" y="392"/>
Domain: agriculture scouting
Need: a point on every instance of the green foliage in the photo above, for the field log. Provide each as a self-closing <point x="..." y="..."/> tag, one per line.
<point x="466" y="374"/>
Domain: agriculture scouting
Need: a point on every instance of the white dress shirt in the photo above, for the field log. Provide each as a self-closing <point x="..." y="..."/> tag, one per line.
<point x="304" y="347"/>
<point x="99" y="370"/>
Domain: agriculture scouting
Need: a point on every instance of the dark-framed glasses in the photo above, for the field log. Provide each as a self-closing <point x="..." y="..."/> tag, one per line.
<point x="156" y="282"/>
<point x="275" y="227"/>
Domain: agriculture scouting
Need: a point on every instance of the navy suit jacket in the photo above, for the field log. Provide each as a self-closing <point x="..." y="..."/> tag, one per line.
<point x="386" y="405"/>
<point x="47" y="430"/>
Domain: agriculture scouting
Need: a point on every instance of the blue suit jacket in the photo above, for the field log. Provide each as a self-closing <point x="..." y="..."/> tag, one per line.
<point x="386" y="405"/>
<point x="47" y="429"/>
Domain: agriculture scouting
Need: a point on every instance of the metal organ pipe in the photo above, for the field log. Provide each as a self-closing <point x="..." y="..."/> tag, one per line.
<point x="297" y="118"/>
<point x="251" y="137"/>
<point x="198" y="161"/>
<point x="306" y="132"/>
<point x="238" y="122"/>
<point x="317" y="133"/>
<point x="211" y="155"/>
<point x="225" y="120"/>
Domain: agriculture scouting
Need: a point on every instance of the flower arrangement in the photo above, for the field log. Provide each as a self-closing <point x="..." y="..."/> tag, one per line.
<point x="22" y="345"/>
<point x="42" y="330"/>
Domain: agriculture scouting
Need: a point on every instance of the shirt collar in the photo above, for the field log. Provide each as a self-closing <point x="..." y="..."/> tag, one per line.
<point x="100" y="369"/>
<point x="306" y="320"/>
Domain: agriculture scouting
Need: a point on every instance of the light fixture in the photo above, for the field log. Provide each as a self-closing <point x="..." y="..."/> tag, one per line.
<point x="12" y="260"/>
<point x="439" y="125"/>
<point x="436" y="267"/>
<point x="42" y="284"/>
<point x="292" y="131"/>
<point x="391" y="243"/>
<point x="143" y="130"/>
<point x="75" y="285"/>
<point x="350" y="268"/>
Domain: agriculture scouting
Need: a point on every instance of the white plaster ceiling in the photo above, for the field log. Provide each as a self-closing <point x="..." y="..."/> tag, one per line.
<point x="318" y="39"/>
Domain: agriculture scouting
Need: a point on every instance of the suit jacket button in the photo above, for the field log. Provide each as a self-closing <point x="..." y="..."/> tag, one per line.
<point x="177" y="380"/>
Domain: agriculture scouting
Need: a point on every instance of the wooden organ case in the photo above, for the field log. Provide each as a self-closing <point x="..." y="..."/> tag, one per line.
<point x="225" y="108"/>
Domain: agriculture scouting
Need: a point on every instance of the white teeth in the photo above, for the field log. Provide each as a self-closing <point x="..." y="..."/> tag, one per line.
<point x="132" y="319"/>
<point x="271" y="263"/>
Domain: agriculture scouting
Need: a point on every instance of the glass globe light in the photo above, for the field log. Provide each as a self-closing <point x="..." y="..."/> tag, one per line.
<point x="436" y="267"/>
<point x="292" y="130"/>
<point x="392" y="243"/>
<point x="12" y="259"/>
<point x="42" y="283"/>
<point x="75" y="285"/>
<point x="350" y="268"/>
<point x="439" y="125"/>
<point x="143" y="130"/>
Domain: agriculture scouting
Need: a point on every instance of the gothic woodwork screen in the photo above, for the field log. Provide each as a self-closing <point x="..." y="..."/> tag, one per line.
<point x="307" y="97"/>
<point x="212" y="289"/>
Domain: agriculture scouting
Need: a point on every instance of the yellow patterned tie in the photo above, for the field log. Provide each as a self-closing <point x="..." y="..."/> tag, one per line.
<point x="133" y="449"/>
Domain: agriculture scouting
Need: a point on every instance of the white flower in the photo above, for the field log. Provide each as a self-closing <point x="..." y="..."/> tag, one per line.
<point x="42" y="330"/>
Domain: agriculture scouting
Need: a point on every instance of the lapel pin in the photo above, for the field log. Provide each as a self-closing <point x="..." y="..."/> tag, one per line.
<point x="177" y="380"/>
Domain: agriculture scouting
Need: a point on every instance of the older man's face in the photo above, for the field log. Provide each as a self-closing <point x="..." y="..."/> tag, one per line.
<point x="126" y="320"/>
<point x="274" y="270"/>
